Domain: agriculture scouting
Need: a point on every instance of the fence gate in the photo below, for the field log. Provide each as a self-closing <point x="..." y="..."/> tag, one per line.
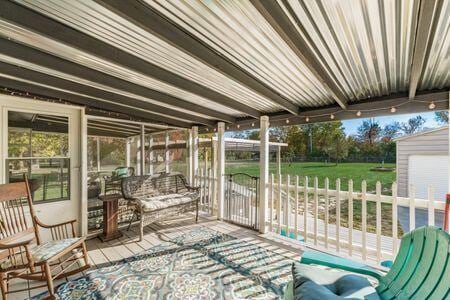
<point x="241" y="199"/>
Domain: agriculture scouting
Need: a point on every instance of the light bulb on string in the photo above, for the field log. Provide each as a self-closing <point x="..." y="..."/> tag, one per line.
<point x="332" y="117"/>
<point x="287" y="121"/>
<point x="307" y="119"/>
<point x="358" y="113"/>
<point x="432" y="105"/>
<point x="393" y="109"/>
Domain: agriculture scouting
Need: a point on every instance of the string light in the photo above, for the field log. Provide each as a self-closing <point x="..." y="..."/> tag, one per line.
<point x="307" y="119"/>
<point x="432" y="105"/>
<point x="228" y="127"/>
<point x="393" y="109"/>
<point x="332" y="117"/>
<point x="358" y="113"/>
<point x="253" y="124"/>
<point x="238" y="126"/>
<point x="287" y="121"/>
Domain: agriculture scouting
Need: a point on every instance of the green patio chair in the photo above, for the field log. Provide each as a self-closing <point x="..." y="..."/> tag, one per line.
<point x="421" y="269"/>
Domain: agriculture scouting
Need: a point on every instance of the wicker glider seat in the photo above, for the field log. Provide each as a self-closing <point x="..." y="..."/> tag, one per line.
<point x="159" y="196"/>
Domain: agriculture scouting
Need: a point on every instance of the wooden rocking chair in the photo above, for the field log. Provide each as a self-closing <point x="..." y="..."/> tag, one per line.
<point x="22" y="252"/>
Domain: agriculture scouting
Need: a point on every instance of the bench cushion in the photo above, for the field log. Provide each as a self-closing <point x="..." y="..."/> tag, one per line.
<point x="152" y="203"/>
<point x="311" y="282"/>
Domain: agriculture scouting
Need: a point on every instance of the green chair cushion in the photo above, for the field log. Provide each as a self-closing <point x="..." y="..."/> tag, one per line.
<point x="328" y="260"/>
<point x="313" y="283"/>
<point x="121" y="172"/>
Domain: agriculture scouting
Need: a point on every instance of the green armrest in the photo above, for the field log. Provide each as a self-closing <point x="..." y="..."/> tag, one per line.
<point x="323" y="259"/>
<point x="289" y="291"/>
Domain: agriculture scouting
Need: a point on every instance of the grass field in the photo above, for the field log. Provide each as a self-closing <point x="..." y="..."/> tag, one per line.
<point x="345" y="171"/>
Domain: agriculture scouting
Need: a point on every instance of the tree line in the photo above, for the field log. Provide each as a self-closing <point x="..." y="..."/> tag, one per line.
<point x="328" y="141"/>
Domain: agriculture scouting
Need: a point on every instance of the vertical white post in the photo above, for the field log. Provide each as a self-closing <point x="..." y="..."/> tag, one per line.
<point x="84" y="175"/>
<point x="194" y="152"/>
<point x="190" y="149"/>
<point x="151" y="154"/>
<point x="99" y="168"/>
<point x="263" y="172"/>
<point x="167" y="152"/>
<point x="220" y="169"/>
<point x="214" y="175"/>
<point x="142" y="152"/>
<point x="138" y="156"/>
<point x="127" y="152"/>
<point x="279" y="160"/>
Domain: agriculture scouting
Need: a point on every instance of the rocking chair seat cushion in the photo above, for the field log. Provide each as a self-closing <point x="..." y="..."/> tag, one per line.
<point x="311" y="282"/>
<point x="49" y="249"/>
<point x="152" y="203"/>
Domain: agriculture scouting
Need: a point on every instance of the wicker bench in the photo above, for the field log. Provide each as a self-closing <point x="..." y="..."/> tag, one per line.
<point x="160" y="196"/>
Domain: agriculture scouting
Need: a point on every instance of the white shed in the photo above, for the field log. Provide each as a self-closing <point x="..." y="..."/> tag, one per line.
<point x="422" y="161"/>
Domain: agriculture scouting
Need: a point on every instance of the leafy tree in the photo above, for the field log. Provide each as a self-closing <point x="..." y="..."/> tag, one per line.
<point x="413" y="125"/>
<point x="391" y="131"/>
<point x="369" y="131"/>
<point x="441" y="117"/>
<point x="330" y="139"/>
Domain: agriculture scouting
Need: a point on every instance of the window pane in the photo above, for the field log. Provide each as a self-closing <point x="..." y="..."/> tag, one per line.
<point x="49" y="177"/>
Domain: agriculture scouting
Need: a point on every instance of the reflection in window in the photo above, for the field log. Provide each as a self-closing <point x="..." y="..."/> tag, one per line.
<point x="38" y="146"/>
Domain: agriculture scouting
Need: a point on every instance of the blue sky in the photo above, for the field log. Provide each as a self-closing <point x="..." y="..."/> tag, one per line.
<point x="351" y="126"/>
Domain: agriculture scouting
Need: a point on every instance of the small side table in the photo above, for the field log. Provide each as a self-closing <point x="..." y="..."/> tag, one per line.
<point x="110" y="217"/>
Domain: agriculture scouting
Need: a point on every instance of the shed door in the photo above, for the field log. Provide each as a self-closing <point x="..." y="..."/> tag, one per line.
<point x="425" y="170"/>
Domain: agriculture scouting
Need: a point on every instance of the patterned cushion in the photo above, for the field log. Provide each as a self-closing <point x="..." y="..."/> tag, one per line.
<point x="49" y="249"/>
<point x="152" y="203"/>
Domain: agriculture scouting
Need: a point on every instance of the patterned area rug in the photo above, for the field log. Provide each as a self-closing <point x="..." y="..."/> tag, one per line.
<point x="200" y="264"/>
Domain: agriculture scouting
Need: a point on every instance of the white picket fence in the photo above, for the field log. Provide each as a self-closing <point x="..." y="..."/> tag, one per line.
<point x="206" y="180"/>
<point x="305" y="212"/>
<point x="297" y="215"/>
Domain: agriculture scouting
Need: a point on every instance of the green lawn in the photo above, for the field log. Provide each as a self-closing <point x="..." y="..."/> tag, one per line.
<point x="345" y="171"/>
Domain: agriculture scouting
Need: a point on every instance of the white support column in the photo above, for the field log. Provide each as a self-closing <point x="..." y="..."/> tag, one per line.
<point x="194" y="152"/>
<point x="263" y="173"/>
<point x="150" y="154"/>
<point x="99" y="168"/>
<point x="84" y="175"/>
<point x="167" y="152"/>
<point x="189" y="144"/>
<point x="127" y="152"/>
<point x="220" y="169"/>
<point x="142" y="152"/>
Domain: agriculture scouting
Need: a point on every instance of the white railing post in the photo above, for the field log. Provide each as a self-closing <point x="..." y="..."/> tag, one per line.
<point x="378" y="220"/>
<point x="279" y="204"/>
<point x="305" y="209"/>
<point x="364" y="219"/>
<point x="350" y="217"/>
<point x="327" y="208"/>
<point x="412" y="207"/>
<point x="316" y="209"/>
<point x="296" y="207"/>
<point x="394" y="219"/>
<point x="431" y="206"/>
<point x="99" y="167"/>
<point x="263" y="172"/>
<point x="220" y="169"/>
<point x="338" y="215"/>
<point x="287" y="207"/>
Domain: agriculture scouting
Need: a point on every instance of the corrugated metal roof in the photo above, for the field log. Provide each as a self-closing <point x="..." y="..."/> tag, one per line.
<point x="365" y="46"/>
<point x="236" y="30"/>
<point x="101" y="23"/>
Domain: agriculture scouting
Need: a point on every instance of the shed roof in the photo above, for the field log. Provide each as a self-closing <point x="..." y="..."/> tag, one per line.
<point x="405" y="137"/>
<point x="185" y="63"/>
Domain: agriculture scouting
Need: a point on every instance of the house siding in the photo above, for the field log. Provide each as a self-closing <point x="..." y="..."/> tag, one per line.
<point x="431" y="143"/>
